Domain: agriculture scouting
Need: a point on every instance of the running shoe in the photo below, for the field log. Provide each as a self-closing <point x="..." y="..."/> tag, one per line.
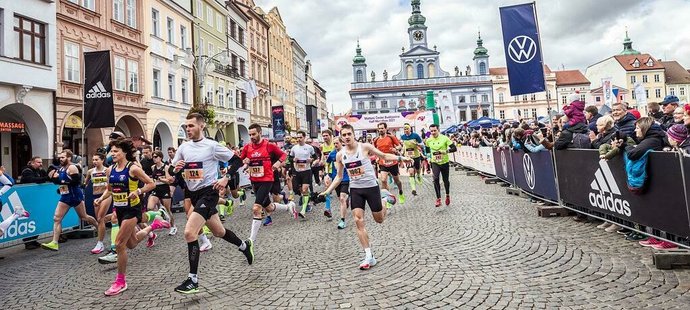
<point x="21" y="212"/>
<point x="438" y="202"/>
<point x="116" y="288"/>
<point x="268" y="221"/>
<point x="612" y="228"/>
<point x="623" y="231"/>
<point x="401" y="198"/>
<point x="159" y="224"/>
<point x="230" y="208"/>
<point x="327" y="213"/>
<point x="285" y="197"/>
<point x="109" y="258"/>
<point x="243" y="195"/>
<point x="308" y="208"/>
<point x="650" y="242"/>
<point x="635" y="236"/>
<point x="52" y="245"/>
<point x="205" y="247"/>
<point x="207" y="231"/>
<point x="152" y="240"/>
<point x="222" y="218"/>
<point x="248" y="251"/>
<point x="447" y="200"/>
<point x="419" y="179"/>
<point x="341" y="224"/>
<point x="302" y="214"/>
<point x="367" y="263"/>
<point x="188" y="287"/>
<point x="603" y="225"/>
<point x="664" y="245"/>
<point x="293" y="209"/>
<point x="98" y="249"/>
<point x="164" y="214"/>
<point x="414" y="192"/>
<point x="173" y="231"/>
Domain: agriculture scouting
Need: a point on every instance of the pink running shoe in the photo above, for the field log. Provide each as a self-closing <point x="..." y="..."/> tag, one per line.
<point x="665" y="246"/>
<point x="650" y="242"/>
<point x="116" y="288"/>
<point x="152" y="241"/>
<point x="21" y="212"/>
<point x="159" y="224"/>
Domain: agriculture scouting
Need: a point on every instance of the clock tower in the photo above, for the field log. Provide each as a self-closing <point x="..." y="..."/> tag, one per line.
<point x="417" y="29"/>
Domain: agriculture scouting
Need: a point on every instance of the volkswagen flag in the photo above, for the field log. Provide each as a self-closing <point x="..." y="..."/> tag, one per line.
<point x="522" y="49"/>
<point x="98" y="91"/>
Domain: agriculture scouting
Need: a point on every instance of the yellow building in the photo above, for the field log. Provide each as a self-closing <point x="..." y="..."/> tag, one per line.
<point x="280" y="67"/>
<point x="530" y="106"/>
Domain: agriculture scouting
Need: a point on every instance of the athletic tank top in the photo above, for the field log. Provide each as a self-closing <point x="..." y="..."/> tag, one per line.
<point x="121" y="185"/>
<point x="158" y="173"/>
<point x="325" y="151"/>
<point x="66" y="190"/>
<point x="99" y="180"/>
<point x="359" y="168"/>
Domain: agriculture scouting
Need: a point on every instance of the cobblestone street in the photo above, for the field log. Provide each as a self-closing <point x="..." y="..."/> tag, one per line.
<point x="487" y="250"/>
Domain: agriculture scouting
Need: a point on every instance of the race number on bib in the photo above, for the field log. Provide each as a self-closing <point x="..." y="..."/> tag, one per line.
<point x="63" y="189"/>
<point x="355" y="170"/>
<point x="194" y="171"/>
<point x="409" y="152"/>
<point x="256" y="169"/>
<point x="301" y="164"/>
<point x="120" y="200"/>
<point x="438" y="156"/>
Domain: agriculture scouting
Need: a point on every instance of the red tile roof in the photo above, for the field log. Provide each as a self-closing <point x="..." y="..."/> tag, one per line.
<point x="675" y="73"/>
<point x="571" y="77"/>
<point x="627" y="61"/>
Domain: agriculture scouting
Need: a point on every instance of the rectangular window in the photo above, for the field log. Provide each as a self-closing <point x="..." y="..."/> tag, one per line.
<point x="132" y="13"/>
<point x="156" y="83"/>
<point x="171" y="31"/>
<point x="199" y="12"/>
<point x="219" y="22"/>
<point x="598" y="99"/>
<point x="525" y="113"/>
<point x="120" y="72"/>
<point x="155" y="20"/>
<point x="133" y="71"/>
<point x="244" y="100"/>
<point x="209" y="93"/>
<point x="658" y="93"/>
<point x="474" y="114"/>
<point x="656" y="78"/>
<point x="119" y="11"/>
<point x="241" y="67"/>
<point x="89" y="4"/>
<point x="473" y="98"/>
<point x="384" y="104"/>
<point x="463" y="115"/>
<point x="240" y="35"/>
<point x="372" y="105"/>
<point x="221" y="96"/>
<point x="534" y="113"/>
<point x="524" y="97"/>
<point x="564" y="100"/>
<point x="633" y="79"/>
<point x="672" y="91"/>
<point x="183" y="37"/>
<point x="533" y="97"/>
<point x="646" y="91"/>
<point x="30" y="36"/>
<point x="682" y="91"/>
<point x="171" y="87"/>
<point x="502" y="114"/>
<point x="485" y="98"/>
<point x="644" y="78"/>
<point x="633" y="96"/>
<point x="233" y="33"/>
<point x="209" y="15"/>
<point x="72" y="65"/>
<point x="183" y="88"/>
<point x="211" y="49"/>
<point x="201" y="46"/>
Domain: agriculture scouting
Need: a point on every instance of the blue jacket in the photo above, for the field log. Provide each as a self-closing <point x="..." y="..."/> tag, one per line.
<point x="626" y="125"/>
<point x="636" y="170"/>
<point x="334" y="172"/>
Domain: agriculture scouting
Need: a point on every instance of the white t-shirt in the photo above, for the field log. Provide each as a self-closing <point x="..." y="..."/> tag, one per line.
<point x="301" y="155"/>
<point x="201" y="162"/>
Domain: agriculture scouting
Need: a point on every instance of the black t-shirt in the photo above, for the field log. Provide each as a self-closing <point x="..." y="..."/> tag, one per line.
<point x="147" y="165"/>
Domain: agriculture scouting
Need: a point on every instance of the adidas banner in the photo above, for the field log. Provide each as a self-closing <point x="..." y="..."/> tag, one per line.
<point x="98" y="91"/>
<point x="600" y="188"/>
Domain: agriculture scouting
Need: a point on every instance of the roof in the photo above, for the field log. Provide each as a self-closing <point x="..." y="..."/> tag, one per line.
<point x="626" y="61"/>
<point x="570" y="77"/>
<point x="504" y="70"/>
<point x="675" y="73"/>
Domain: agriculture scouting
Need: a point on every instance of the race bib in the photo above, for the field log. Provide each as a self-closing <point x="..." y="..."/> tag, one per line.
<point x="120" y="200"/>
<point x="388" y="162"/>
<point x="355" y="169"/>
<point x="409" y="152"/>
<point x="63" y="189"/>
<point x="99" y="181"/>
<point x="256" y="169"/>
<point x="300" y="164"/>
<point x="438" y="156"/>
<point x="194" y="171"/>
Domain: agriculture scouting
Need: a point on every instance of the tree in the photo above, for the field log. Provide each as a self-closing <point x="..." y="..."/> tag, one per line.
<point x="205" y="110"/>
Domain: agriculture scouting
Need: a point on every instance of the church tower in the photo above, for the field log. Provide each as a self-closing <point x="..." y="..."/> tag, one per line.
<point x="359" y="66"/>
<point x="417" y="29"/>
<point x="481" y="57"/>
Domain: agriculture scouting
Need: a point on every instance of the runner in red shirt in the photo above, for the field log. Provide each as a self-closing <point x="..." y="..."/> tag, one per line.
<point x="389" y="144"/>
<point x="258" y="155"/>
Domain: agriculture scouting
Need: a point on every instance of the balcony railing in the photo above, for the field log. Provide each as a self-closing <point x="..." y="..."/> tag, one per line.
<point x="228" y="70"/>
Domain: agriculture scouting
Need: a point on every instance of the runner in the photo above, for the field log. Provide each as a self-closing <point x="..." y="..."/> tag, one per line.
<point x="412" y="142"/>
<point x="161" y="195"/>
<point x="177" y="181"/>
<point x="342" y="191"/>
<point x="364" y="188"/>
<point x="199" y="158"/>
<point x="327" y="148"/>
<point x="388" y="143"/>
<point x="123" y="185"/>
<point x="438" y="145"/>
<point x="277" y="193"/>
<point x="99" y="181"/>
<point x="68" y="178"/>
<point x="302" y="154"/>
<point x="6" y="182"/>
<point x="263" y="159"/>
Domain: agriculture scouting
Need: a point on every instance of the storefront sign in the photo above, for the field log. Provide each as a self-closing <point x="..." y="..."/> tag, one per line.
<point x="11" y="127"/>
<point x="74" y="122"/>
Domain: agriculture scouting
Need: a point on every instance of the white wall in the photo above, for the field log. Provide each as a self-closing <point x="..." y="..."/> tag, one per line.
<point x="607" y="68"/>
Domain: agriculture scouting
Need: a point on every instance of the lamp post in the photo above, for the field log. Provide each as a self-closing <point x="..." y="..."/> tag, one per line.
<point x="202" y="65"/>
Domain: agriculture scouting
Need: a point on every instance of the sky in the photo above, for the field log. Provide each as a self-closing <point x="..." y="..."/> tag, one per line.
<point x="574" y="34"/>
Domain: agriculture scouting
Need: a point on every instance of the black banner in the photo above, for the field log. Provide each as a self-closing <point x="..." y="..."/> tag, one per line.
<point x="312" y="118"/>
<point x="504" y="165"/>
<point x="533" y="173"/>
<point x="601" y="187"/>
<point x="98" y="91"/>
<point x="278" y="116"/>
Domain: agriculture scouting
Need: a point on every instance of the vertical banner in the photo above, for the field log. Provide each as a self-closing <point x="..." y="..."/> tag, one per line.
<point x="448" y="114"/>
<point x="607" y="89"/>
<point x="640" y="95"/>
<point x="312" y="121"/>
<point x="278" y="117"/>
<point x="522" y="49"/>
<point x="98" y="91"/>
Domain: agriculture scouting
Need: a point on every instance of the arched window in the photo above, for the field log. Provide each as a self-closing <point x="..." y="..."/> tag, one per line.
<point x="360" y="77"/>
<point x="431" y="69"/>
<point x="410" y="71"/>
<point x="482" y="68"/>
<point x="420" y="71"/>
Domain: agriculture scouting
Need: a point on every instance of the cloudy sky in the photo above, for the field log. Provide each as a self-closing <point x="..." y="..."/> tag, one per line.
<point x="574" y="34"/>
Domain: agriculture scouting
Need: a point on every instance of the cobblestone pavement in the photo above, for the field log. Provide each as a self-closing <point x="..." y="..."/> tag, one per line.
<point x="488" y="250"/>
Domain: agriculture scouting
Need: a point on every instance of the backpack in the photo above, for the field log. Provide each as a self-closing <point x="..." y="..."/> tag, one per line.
<point x="581" y="141"/>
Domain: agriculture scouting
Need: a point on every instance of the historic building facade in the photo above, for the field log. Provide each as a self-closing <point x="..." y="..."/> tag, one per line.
<point x="280" y="66"/>
<point x="300" y="83"/>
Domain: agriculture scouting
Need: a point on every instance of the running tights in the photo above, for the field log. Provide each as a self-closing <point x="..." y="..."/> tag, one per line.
<point x="444" y="170"/>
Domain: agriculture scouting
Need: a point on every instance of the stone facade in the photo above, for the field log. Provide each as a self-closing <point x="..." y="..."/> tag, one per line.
<point x="280" y="67"/>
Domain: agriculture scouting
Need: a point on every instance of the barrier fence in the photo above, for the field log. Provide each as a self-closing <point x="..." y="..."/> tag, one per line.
<point x="580" y="181"/>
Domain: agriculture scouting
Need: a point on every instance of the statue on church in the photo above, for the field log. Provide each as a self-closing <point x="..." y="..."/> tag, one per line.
<point x="385" y="75"/>
<point x="468" y="71"/>
<point x="373" y="76"/>
<point x="457" y="71"/>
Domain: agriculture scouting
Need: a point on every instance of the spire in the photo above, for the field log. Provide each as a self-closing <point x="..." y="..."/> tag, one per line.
<point x="416" y="19"/>
<point x="627" y="45"/>
<point x="480" y="51"/>
<point x="359" y="59"/>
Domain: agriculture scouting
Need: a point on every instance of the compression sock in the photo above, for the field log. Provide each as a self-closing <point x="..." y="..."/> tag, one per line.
<point x="193" y="251"/>
<point x="232" y="238"/>
<point x="328" y="202"/>
<point x="113" y="235"/>
<point x="281" y="207"/>
<point x="413" y="183"/>
<point x="305" y="202"/>
<point x="7" y="222"/>
<point x="256" y="223"/>
<point x="367" y="252"/>
<point x="151" y="216"/>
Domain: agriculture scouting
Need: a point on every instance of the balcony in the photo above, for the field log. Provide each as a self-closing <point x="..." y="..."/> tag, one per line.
<point x="228" y="70"/>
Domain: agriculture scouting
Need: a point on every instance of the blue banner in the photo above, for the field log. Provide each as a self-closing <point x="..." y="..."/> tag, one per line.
<point x="503" y="162"/>
<point x="522" y="49"/>
<point x="534" y="173"/>
<point x="278" y="116"/>
<point x="40" y="200"/>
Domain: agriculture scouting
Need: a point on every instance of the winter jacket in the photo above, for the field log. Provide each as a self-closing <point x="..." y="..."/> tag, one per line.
<point x="604" y="138"/>
<point x="636" y="171"/>
<point x="575" y="112"/>
<point x="654" y="139"/>
<point x="685" y="147"/>
<point x="594" y="119"/>
<point x="667" y="121"/>
<point x="31" y="175"/>
<point x="626" y="125"/>
<point x="565" y="140"/>
<point x="657" y="115"/>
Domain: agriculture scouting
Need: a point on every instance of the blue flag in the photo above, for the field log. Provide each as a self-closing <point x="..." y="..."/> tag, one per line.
<point x="522" y="49"/>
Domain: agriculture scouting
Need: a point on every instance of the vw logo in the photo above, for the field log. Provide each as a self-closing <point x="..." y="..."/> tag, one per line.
<point x="528" y="168"/>
<point x="504" y="164"/>
<point x="522" y="49"/>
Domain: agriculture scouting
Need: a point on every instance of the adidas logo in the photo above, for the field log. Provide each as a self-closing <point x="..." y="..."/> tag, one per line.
<point x="97" y="91"/>
<point x="17" y="228"/>
<point x="606" y="194"/>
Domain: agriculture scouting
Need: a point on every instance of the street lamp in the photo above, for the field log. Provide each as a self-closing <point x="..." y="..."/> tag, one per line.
<point x="202" y="64"/>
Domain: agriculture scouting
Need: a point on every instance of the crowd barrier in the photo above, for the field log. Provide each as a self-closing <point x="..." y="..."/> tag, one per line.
<point x="580" y="181"/>
<point x="40" y="200"/>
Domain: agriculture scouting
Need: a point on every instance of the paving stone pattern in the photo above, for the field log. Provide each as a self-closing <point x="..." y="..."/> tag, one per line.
<point x="487" y="250"/>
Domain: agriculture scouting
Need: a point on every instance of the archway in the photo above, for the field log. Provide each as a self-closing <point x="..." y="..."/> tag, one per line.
<point x="23" y="143"/>
<point x="130" y="126"/>
<point x="181" y="134"/>
<point x="220" y="136"/>
<point x="243" y="133"/>
<point x="162" y="136"/>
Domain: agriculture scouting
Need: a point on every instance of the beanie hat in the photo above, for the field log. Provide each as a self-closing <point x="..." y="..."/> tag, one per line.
<point x="573" y="97"/>
<point x="635" y="113"/>
<point x="678" y="132"/>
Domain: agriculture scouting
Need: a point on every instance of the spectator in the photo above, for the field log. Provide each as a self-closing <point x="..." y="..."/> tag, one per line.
<point x="654" y="110"/>
<point x="147" y="159"/>
<point x="678" y="114"/>
<point x="650" y="136"/>
<point x="33" y="173"/>
<point x="669" y="105"/>
<point x="592" y="114"/>
<point x="678" y="138"/>
<point x="572" y="137"/>
<point x="624" y="121"/>
<point x="607" y="134"/>
<point x="686" y="116"/>
<point x="574" y="111"/>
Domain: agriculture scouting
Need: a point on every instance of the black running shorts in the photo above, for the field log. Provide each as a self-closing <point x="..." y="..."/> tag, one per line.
<point x="416" y="163"/>
<point x="371" y="196"/>
<point x="125" y="213"/>
<point x="234" y="182"/>
<point x="161" y="191"/>
<point x="393" y="170"/>
<point x="343" y="188"/>
<point x="205" y="201"/>
<point x="262" y="192"/>
<point x="303" y="177"/>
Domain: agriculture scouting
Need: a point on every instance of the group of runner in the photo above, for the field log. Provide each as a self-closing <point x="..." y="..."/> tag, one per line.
<point x="208" y="171"/>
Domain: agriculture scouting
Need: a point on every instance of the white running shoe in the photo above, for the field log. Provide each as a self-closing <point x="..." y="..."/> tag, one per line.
<point x="205" y="247"/>
<point x="164" y="214"/>
<point x="98" y="249"/>
<point x="293" y="209"/>
<point x="367" y="263"/>
<point x="173" y="231"/>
